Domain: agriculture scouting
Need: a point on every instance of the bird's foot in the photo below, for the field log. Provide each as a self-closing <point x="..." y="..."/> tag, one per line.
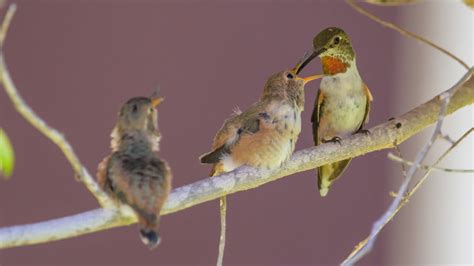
<point x="333" y="140"/>
<point x="362" y="131"/>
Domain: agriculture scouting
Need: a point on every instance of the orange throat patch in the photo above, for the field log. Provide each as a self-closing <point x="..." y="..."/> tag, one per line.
<point x="333" y="66"/>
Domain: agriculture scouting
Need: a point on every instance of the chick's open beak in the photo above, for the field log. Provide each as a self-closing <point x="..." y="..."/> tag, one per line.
<point x="156" y="101"/>
<point x="311" y="78"/>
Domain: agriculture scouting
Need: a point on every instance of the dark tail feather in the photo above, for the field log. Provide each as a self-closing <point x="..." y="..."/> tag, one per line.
<point x="215" y="155"/>
<point x="148" y="224"/>
<point x="150" y="238"/>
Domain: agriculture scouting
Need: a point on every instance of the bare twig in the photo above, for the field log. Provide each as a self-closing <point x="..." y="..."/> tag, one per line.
<point x="362" y="250"/>
<point x="6" y="23"/>
<point x="404" y="32"/>
<point x="447" y="138"/>
<point x="399" y="159"/>
<point x="366" y="245"/>
<point x="392" y="2"/>
<point x="40" y="124"/>
<point x="406" y="198"/>
<point x="382" y="137"/>
<point x="223" y="211"/>
<point x="399" y="152"/>
<point x="422" y="179"/>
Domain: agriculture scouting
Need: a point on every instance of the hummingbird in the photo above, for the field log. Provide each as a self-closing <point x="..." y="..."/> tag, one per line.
<point x="343" y="100"/>
<point x="133" y="174"/>
<point x="265" y="134"/>
<point x="262" y="136"/>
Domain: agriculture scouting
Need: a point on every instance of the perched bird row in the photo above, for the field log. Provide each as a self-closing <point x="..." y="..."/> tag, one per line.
<point x="264" y="135"/>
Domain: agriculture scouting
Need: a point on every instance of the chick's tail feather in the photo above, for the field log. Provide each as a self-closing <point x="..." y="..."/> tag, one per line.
<point x="150" y="237"/>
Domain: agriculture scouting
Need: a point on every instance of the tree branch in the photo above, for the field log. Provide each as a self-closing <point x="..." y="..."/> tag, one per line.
<point x="382" y="136"/>
<point x="363" y="248"/>
<point x="366" y="245"/>
<point x="51" y="133"/>
<point x="392" y="2"/>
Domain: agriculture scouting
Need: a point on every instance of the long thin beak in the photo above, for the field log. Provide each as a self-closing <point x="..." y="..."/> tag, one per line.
<point x="308" y="56"/>
<point x="311" y="78"/>
<point x="156" y="101"/>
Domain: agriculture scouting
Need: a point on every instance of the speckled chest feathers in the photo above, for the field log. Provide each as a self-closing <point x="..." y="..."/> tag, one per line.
<point x="266" y="133"/>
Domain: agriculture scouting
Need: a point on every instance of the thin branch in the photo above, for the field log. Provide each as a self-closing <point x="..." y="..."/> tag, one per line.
<point x="445" y="97"/>
<point x="364" y="242"/>
<point x="399" y="152"/>
<point x="399" y="159"/>
<point x="404" y="32"/>
<point x="423" y="179"/>
<point x="6" y="23"/>
<point x="382" y="137"/>
<point x="392" y="2"/>
<point x="223" y="211"/>
<point x="41" y="125"/>
<point x="447" y="138"/>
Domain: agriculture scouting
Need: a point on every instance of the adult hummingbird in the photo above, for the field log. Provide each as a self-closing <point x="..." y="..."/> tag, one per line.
<point x="343" y="101"/>
<point x="133" y="174"/>
<point x="264" y="135"/>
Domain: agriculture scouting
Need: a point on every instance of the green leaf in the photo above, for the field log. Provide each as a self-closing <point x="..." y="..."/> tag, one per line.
<point x="7" y="157"/>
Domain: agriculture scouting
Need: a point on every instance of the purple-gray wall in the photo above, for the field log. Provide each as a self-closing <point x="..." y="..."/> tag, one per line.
<point x="76" y="62"/>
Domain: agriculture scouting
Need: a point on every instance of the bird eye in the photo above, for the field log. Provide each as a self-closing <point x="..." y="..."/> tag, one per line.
<point x="151" y="110"/>
<point x="134" y="108"/>
<point x="337" y="40"/>
<point x="290" y="76"/>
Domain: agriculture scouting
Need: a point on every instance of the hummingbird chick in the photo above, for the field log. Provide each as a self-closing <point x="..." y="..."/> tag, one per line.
<point x="343" y="101"/>
<point x="133" y="174"/>
<point x="264" y="135"/>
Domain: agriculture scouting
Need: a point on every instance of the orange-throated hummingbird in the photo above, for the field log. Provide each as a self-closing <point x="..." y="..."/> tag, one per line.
<point x="343" y="101"/>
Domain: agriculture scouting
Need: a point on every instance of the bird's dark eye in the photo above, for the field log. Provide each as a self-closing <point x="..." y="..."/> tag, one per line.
<point x="134" y="108"/>
<point x="290" y="76"/>
<point x="151" y="110"/>
<point x="337" y="40"/>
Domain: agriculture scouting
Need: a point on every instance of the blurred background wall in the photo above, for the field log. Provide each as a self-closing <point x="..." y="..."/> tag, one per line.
<point x="76" y="62"/>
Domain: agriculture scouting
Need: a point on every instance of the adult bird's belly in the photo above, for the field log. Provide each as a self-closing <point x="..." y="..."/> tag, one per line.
<point x="341" y="117"/>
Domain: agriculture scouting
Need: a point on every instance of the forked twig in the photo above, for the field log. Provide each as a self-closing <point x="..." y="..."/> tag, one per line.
<point x="363" y="248"/>
<point x="351" y="259"/>
<point x="366" y="245"/>
<point x="399" y="159"/>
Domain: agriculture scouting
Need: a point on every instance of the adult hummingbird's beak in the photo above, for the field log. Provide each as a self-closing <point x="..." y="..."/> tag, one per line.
<point x="308" y="56"/>
<point x="311" y="78"/>
<point x="156" y="101"/>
